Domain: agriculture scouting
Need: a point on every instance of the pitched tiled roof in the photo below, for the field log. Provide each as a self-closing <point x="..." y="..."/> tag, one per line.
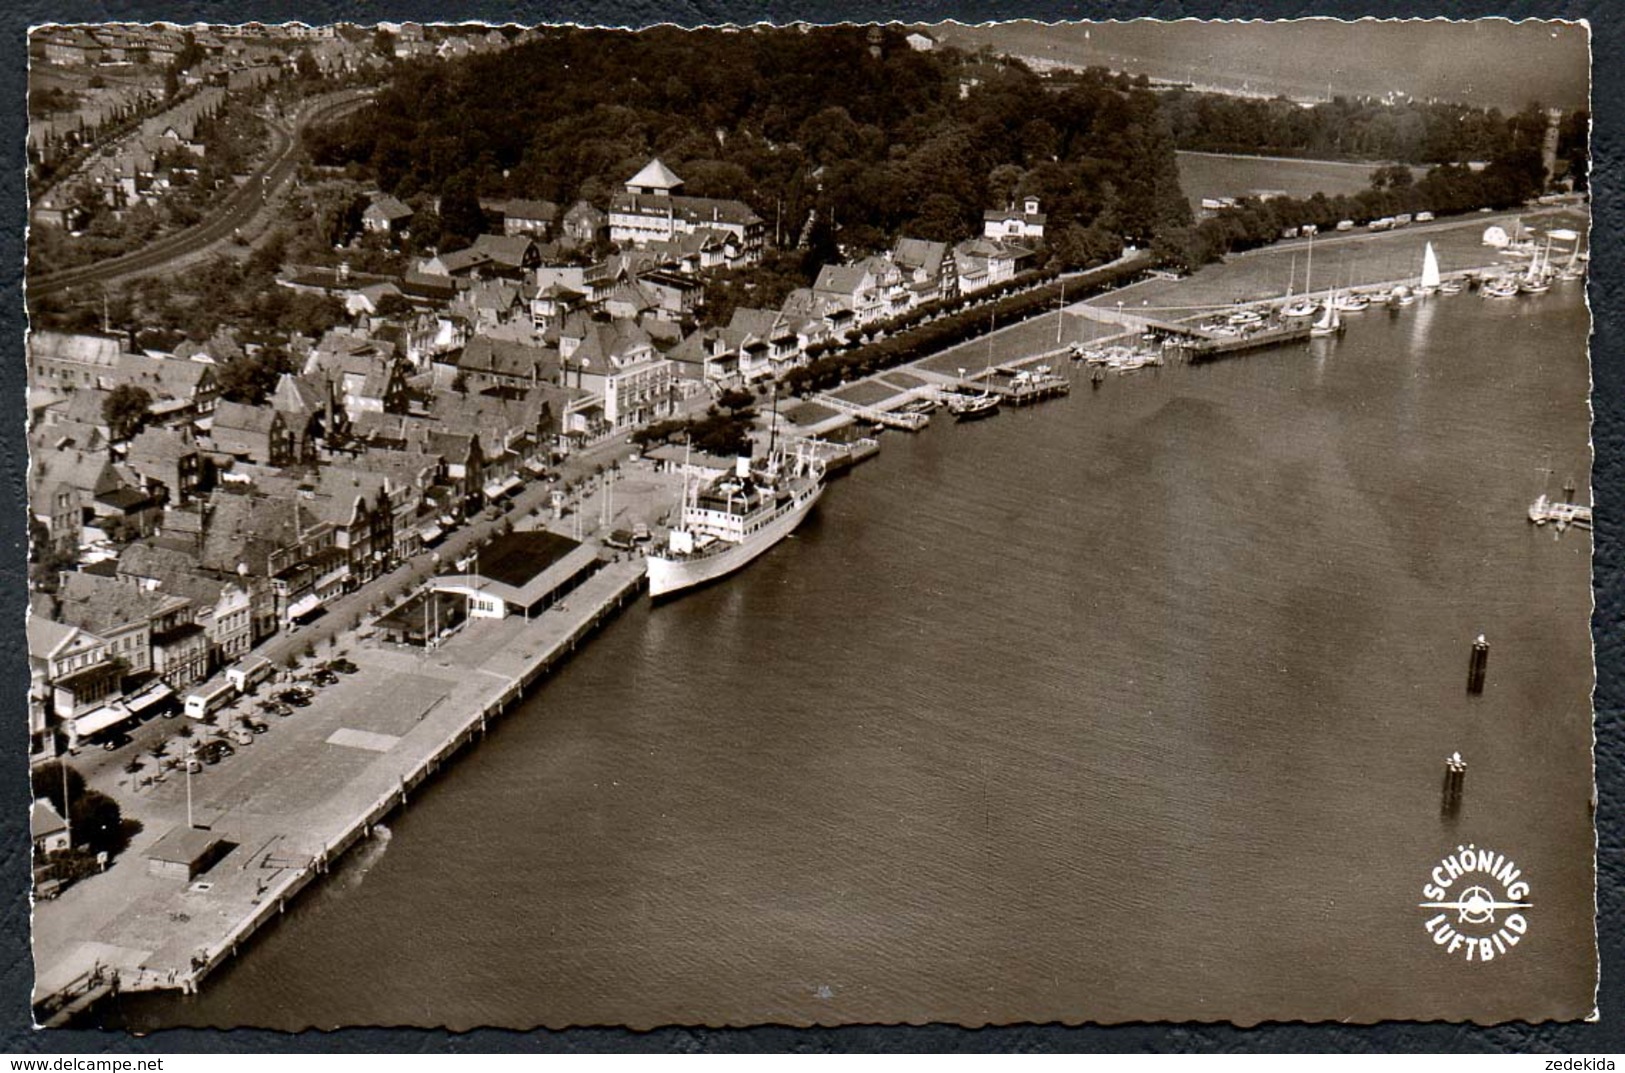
<point x="844" y="280"/>
<point x="609" y="344"/>
<point x="245" y="529"/>
<point x="984" y="248"/>
<point x="241" y="417"/>
<point x="483" y="354"/>
<point x="46" y="635"/>
<point x="506" y="250"/>
<point x="103" y="604"/>
<point x="387" y="209"/>
<point x="919" y="253"/>
<point x="160" y="445"/>
<point x="522" y="209"/>
<point x="298" y="395"/>
<point x="767" y="323"/>
<point x="175" y="378"/>
<point x="85" y="406"/>
<point x="463" y="260"/>
<point x="492" y="294"/>
<point x="585" y="212"/>
<point x="67" y="346"/>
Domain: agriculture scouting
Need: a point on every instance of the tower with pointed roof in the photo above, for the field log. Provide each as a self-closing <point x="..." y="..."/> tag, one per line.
<point x="655" y="178"/>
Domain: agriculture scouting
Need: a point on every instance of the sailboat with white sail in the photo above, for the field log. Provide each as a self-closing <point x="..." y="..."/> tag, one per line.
<point x="1537" y="279"/>
<point x="1330" y="322"/>
<point x="1429" y="283"/>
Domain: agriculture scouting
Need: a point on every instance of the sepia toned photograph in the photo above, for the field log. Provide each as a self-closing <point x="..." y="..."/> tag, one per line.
<point x="550" y="526"/>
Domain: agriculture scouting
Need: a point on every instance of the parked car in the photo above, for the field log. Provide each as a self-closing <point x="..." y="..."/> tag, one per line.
<point x="115" y="741"/>
<point x="299" y="698"/>
<point x="255" y="726"/>
<point x="243" y="736"/>
<point x="324" y="678"/>
<point x="342" y="666"/>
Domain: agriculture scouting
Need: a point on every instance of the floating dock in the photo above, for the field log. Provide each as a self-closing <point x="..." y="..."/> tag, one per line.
<point x="1561" y="515"/>
<point x="1211" y="349"/>
<point x="840" y="456"/>
<point x="1018" y="386"/>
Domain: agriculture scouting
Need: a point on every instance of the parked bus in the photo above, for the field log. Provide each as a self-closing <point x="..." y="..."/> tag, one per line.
<point x="209" y="698"/>
<point x="250" y="673"/>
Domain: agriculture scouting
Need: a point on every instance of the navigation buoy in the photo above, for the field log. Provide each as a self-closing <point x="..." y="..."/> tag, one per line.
<point x="1478" y="665"/>
<point x="1455" y="775"/>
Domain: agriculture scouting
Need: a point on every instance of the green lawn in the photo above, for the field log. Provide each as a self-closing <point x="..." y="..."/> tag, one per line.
<point x="1214" y="175"/>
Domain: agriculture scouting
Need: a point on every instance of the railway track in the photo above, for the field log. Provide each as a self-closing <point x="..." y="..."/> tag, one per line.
<point x="239" y="208"/>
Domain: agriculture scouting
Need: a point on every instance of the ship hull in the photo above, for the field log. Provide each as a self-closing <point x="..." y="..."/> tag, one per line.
<point x="977" y="412"/>
<point x="671" y="575"/>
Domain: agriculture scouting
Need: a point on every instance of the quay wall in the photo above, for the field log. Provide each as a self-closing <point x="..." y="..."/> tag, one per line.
<point x="591" y="605"/>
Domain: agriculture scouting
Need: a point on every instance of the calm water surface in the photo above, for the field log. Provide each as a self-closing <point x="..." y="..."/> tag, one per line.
<point x="1130" y="705"/>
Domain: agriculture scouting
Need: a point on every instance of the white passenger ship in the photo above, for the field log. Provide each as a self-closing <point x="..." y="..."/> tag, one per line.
<point x="735" y="518"/>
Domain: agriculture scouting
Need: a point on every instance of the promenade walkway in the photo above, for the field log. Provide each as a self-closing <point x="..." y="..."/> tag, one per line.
<point x="301" y="794"/>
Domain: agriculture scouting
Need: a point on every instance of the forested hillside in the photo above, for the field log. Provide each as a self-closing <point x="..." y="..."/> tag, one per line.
<point x="787" y="121"/>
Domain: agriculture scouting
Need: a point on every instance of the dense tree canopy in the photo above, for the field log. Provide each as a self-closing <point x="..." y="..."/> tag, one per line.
<point x="789" y="122"/>
<point x="1446" y="189"/>
<point x="126" y="410"/>
<point x="1414" y="132"/>
<point x="94" y="818"/>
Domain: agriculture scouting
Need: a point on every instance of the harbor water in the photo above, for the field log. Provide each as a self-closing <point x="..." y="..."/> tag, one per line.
<point x="1130" y="705"/>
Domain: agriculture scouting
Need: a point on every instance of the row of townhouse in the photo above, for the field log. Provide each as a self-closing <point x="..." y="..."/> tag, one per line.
<point x="108" y="646"/>
<point x="916" y="272"/>
<point x="758" y="344"/>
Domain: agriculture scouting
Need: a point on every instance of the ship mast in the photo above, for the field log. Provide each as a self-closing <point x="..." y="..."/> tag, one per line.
<point x="773" y="423"/>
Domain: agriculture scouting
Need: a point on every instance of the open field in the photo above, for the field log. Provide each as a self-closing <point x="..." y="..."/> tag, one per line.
<point x="1223" y="175"/>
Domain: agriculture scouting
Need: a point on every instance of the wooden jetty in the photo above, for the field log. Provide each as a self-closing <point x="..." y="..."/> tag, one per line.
<point x="908" y="421"/>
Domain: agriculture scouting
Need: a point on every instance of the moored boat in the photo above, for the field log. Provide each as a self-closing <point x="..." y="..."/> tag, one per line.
<point x="1330" y="323"/>
<point x="734" y="519"/>
<point x="973" y="407"/>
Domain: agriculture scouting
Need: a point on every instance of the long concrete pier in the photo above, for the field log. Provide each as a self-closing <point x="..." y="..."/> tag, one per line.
<point x="320" y="783"/>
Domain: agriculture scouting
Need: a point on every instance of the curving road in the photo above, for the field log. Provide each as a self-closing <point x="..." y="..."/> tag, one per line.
<point x="239" y="207"/>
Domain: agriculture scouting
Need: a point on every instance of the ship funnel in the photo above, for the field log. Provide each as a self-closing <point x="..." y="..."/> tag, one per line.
<point x="741" y="467"/>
